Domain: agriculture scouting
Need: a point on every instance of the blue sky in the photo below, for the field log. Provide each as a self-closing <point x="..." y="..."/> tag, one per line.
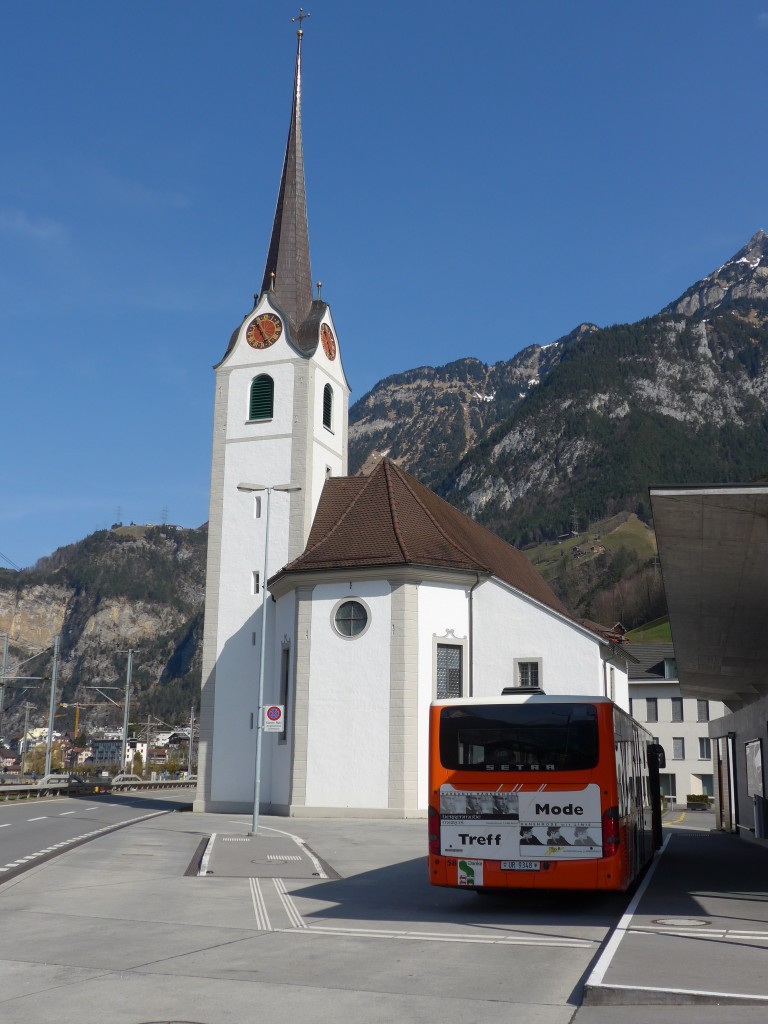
<point x="479" y="178"/>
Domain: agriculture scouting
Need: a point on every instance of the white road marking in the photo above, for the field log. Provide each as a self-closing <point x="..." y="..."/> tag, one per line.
<point x="259" y="906"/>
<point x="729" y="934"/>
<point x="485" y="940"/>
<point x="604" y="961"/>
<point x="62" y="813"/>
<point x="41" y="818"/>
<point x="288" y="905"/>
<point x="8" y="825"/>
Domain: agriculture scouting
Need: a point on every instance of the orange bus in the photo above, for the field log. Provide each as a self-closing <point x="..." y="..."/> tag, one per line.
<point x="540" y="792"/>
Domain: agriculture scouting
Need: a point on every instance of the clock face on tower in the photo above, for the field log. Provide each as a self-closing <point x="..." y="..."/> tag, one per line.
<point x="328" y="340"/>
<point x="264" y="330"/>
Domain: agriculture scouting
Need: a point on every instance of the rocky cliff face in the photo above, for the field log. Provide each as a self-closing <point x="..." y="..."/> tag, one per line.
<point x="429" y="418"/>
<point x="743" y="277"/>
<point x="137" y="588"/>
<point x="581" y="428"/>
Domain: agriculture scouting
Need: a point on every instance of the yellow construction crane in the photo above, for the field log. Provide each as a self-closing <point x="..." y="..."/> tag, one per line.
<point x="91" y="704"/>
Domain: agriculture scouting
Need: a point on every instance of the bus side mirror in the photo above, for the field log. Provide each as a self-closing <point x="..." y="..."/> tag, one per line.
<point x="656" y="750"/>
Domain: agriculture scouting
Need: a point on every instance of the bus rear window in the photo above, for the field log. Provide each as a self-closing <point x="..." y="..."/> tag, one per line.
<point x="519" y="737"/>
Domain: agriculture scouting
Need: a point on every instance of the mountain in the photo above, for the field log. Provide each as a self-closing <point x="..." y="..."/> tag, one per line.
<point x="554" y="449"/>
<point x="577" y="430"/>
<point x="131" y="587"/>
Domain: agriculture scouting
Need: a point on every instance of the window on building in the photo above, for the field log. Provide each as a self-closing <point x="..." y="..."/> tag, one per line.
<point x="351" y="618"/>
<point x="702" y="710"/>
<point x="651" y="709"/>
<point x="678" y="748"/>
<point x="328" y="406"/>
<point x="668" y="786"/>
<point x="528" y="673"/>
<point x="705" y="748"/>
<point x="255" y="583"/>
<point x="449" y="671"/>
<point x="677" y="709"/>
<point x="257" y="506"/>
<point x="632" y="706"/>
<point x="262" y="400"/>
<point x="670" y="668"/>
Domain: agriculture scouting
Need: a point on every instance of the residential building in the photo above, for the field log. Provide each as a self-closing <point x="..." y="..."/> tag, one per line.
<point x="680" y="724"/>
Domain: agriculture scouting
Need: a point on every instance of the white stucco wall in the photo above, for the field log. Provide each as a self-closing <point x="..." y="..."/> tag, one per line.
<point x="509" y="626"/>
<point x="348" y="714"/>
<point x="443" y="618"/>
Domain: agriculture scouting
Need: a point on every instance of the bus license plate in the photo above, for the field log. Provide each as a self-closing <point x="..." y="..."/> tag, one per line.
<point x="521" y="865"/>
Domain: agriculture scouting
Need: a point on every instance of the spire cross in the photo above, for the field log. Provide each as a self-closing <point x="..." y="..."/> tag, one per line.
<point x="300" y="17"/>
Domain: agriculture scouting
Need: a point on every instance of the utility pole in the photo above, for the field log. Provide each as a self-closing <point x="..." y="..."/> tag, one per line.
<point x="128" y="672"/>
<point x="191" y="738"/>
<point x="27" y="706"/>
<point x="52" y="705"/>
<point x="2" y="681"/>
<point x="149" y="744"/>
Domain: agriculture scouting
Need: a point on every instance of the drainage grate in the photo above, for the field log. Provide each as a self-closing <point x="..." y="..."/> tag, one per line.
<point x="283" y="856"/>
<point x="234" y="839"/>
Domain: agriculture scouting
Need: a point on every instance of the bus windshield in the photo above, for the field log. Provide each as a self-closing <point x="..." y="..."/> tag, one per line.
<point x="519" y="737"/>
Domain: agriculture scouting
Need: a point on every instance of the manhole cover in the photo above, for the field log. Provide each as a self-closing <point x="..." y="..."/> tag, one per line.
<point x="682" y="922"/>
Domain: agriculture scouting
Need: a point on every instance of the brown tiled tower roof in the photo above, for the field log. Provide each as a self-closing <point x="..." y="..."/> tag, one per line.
<point x="389" y="518"/>
<point x="288" y="256"/>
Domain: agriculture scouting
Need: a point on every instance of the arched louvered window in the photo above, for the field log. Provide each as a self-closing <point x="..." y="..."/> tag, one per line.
<point x="328" y="406"/>
<point x="262" y="398"/>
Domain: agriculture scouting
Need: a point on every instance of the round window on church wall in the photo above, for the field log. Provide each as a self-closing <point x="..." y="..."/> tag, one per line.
<point x="350" y="618"/>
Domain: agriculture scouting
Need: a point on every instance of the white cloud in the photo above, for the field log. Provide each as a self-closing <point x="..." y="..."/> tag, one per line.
<point x="115" y="188"/>
<point x="40" y="229"/>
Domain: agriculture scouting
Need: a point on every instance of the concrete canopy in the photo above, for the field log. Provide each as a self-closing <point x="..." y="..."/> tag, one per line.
<point x="713" y="546"/>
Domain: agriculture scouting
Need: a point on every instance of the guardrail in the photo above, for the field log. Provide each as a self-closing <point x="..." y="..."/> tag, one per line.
<point x="30" y="790"/>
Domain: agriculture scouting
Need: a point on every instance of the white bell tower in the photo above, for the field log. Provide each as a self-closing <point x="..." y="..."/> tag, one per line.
<point x="280" y="421"/>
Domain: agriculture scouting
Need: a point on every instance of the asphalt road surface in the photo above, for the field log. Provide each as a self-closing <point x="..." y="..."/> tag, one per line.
<point x="34" y="830"/>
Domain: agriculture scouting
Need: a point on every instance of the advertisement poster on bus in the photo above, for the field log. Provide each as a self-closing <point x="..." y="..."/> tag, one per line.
<point x="509" y="825"/>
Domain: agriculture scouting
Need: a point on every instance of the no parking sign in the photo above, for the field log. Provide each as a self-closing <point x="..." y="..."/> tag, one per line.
<point x="273" y="717"/>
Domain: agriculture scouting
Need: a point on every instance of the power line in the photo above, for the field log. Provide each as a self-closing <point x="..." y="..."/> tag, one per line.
<point x="10" y="562"/>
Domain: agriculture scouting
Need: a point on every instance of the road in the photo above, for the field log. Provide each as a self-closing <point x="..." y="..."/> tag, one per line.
<point x="32" y="831"/>
<point x="373" y="942"/>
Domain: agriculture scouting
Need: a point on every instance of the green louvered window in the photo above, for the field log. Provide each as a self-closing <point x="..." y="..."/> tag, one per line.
<point x="262" y="398"/>
<point x="328" y="406"/>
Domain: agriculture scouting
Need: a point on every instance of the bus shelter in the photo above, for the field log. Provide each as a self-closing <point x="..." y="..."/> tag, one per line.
<point x="713" y="548"/>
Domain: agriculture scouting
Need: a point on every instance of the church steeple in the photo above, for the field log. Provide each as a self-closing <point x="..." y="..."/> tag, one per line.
<point x="287" y="270"/>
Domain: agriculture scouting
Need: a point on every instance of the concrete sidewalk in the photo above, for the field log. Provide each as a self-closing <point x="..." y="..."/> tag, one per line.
<point x="695" y="934"/>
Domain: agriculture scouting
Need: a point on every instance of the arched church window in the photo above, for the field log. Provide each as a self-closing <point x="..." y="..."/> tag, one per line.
<point x="328" y="406"/>
<point x="350" y="618"/>
<point x="261" y="405"/>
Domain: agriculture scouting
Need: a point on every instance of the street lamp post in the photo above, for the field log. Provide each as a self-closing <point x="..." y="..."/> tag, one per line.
<point x="263" y="588"/>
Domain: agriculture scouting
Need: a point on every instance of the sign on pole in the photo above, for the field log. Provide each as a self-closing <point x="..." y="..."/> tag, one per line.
<point x="273" y="718"/>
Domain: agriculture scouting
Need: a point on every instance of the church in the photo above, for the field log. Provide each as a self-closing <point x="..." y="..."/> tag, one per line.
<point x="347" y="602"/>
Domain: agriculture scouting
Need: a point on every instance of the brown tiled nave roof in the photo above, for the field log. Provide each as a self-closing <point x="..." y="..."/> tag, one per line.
<point x="389" y="518"/>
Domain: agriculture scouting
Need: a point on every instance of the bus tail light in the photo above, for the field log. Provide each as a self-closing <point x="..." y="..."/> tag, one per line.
<point x="611" y="835"/>
<point x="433" y="831"/>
